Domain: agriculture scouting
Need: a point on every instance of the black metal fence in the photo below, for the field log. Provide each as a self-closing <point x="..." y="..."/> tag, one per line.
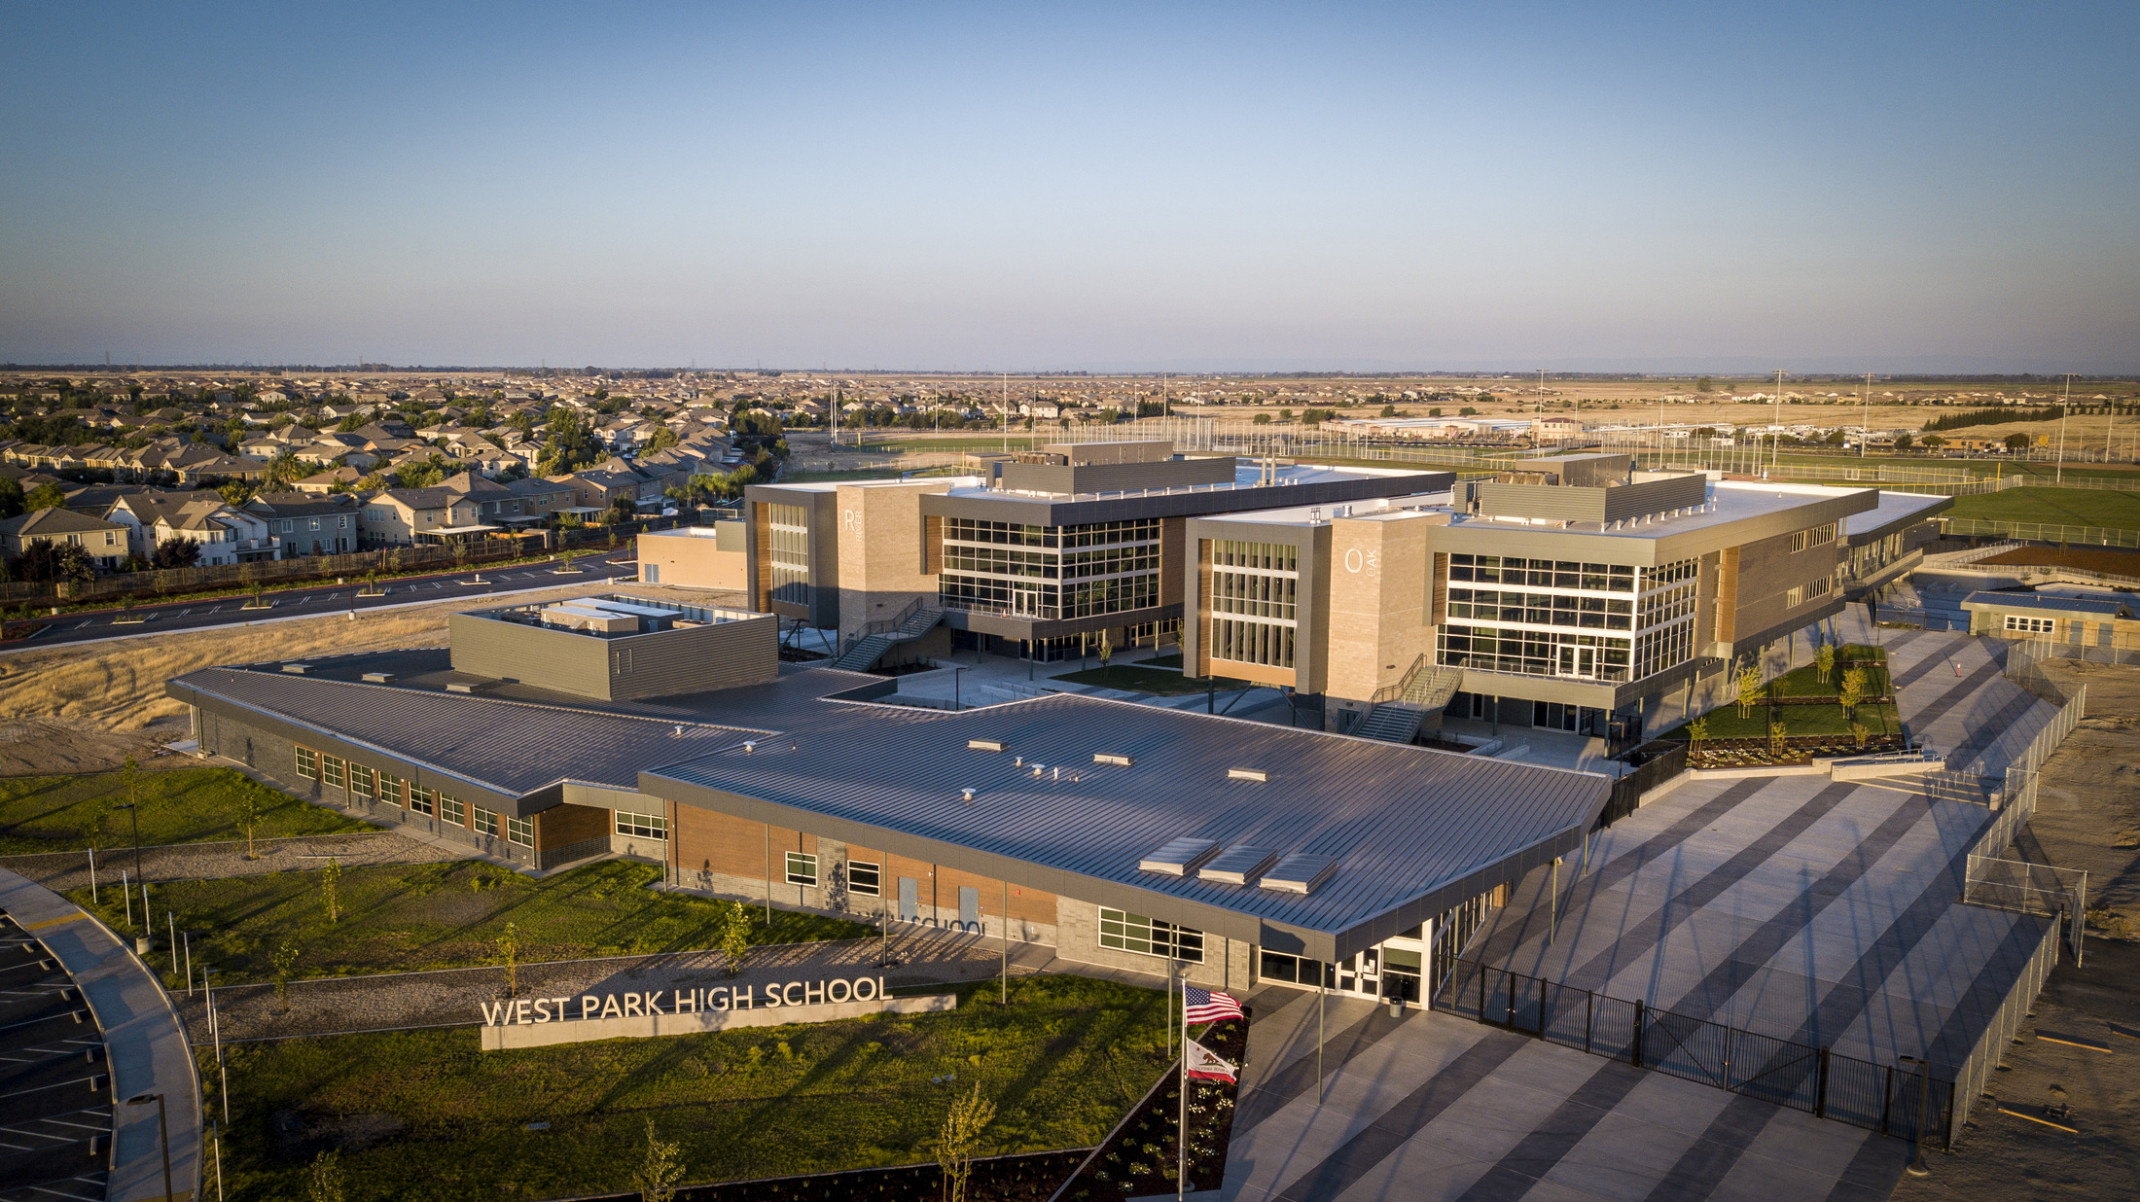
<point x="1654" y="763"/>
<point x="1903" y="1100"/>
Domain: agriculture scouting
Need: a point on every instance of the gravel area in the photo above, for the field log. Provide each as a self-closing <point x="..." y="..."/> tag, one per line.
<point x="63" y="870"/>
<point x="451" y="997"/>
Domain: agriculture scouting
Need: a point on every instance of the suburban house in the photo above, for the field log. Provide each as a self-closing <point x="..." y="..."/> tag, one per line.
<point x="306" y="524"/>
<point x="514" y="502"/>
<point x="104" y="542"/>
<point x="400" y="517"/>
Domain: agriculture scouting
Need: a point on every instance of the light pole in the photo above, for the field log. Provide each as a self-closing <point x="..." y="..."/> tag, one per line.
<point x="1776" y="444"/>
<point x="1865" y="431"/>
<point x="133" y="812"/>
<point x="2065" y="408"/>
<point x="163" y="1130"/>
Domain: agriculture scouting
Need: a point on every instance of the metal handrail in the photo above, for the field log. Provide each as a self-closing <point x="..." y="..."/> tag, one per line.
<point x="887" y="625"/>
<point x="1391" y="692"/>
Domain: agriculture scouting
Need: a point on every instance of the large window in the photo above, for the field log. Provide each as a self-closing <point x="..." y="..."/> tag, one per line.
<point x="865" y="878"/>
<point x="788" y="541"/>
<point x="393" y="790"/>
<point x="363" y="782"/>
<point x="1150" y="937"/>
<point x="451" y="809"/>
<point x="334" y="771"/>
<point x="1587" y="621"/>
<point x="642" y="826"/>
<point x="308" y="763"/>
<point x="1050" y="571"/>
<point x="486" y="822"/>
<point x="423" y="801"/>
<point x="1254" y="602"/>
<point x="802" y="869"/>
<point x="2027" y="624"/>
<point x="520" y="830"/>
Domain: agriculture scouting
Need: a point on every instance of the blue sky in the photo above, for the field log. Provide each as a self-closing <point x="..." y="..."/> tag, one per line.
<point x="1137" y="187"/>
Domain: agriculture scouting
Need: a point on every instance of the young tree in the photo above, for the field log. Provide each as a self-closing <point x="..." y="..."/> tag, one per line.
<point x="326" y="1182"/>
<point x="1697" y="731"/>
<point x="249" y="815"/>
<point x="1824" y="661"/>
<point x="970" y="1115"/>
<point x="509" y="955"/>
<point x="734" y="935"/>
<point x="1776" y="736"/>
<point x="661" y="1171"/>
<point x="285" y="961"/>
<point x="1749" y="689"/>
<point x="1852" y="691"/>
<point x="332" y="880"/>
<point x="1859" y="732"/>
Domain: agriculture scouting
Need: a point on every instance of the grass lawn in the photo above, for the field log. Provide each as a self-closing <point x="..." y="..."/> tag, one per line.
<point x="411" y="917"/>
<point x="2067" y="506"/>
<point x="426" y="1115"/>
<point x="1149" y="676"/>
<point x="178" y="805"/>
<point x="1725" y="722"/>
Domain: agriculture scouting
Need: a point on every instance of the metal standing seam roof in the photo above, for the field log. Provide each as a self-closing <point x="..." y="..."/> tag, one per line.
<point x="1402" y="822"/>
<point x="2106" y="607"/>
<point x="1411" y="830"/>
<point x="513" y="747"/>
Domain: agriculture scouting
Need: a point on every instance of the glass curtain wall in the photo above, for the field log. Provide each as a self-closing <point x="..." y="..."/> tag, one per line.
<point x="1587" y="621"/>
<point x="1255" y="589"/>
<point x="1050" y="572"/>
<point x="789" y="544"/>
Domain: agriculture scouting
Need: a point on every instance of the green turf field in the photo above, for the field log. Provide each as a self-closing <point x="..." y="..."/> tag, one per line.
<point x="2109" y="508"/>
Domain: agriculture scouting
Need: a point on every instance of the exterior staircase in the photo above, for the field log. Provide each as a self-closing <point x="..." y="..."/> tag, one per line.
<point x="877" y="638"/>
<point x="1401" y="709"/>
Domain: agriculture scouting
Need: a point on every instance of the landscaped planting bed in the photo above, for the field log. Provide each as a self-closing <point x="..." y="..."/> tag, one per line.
<point x="1143" y="1155"/>
<point x="426" y="1115"/>
<point x="177" y="805"/>
<point x="413" y="917"/>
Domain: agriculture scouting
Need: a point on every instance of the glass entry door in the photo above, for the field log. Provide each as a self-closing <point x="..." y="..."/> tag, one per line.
<point x="1579" y="662"/>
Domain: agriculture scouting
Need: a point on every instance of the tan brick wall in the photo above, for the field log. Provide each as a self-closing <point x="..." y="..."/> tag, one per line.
<point x="881" y="554"/>
<point x="1077" y="938"/>
<point x="691" y="562"/>
<point x="1377" y="623"/>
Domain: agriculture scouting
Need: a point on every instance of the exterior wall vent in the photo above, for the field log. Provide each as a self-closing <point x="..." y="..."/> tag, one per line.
<point x="1300" y="873"/>
<point x="984" y="744"/>
<point x="1109" y="757"/>
<point x="1254" y="774"/>
<point x="1238" y="865"/>
<point x="1179" y="857"/>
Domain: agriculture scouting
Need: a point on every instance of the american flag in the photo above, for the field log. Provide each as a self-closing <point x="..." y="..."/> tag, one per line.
<point x="1204" y="1006"/>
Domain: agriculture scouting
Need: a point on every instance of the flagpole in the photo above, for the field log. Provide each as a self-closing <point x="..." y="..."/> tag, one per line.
<point x="1181" y="1124"/>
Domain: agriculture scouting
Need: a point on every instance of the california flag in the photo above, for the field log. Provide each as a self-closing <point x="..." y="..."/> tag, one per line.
<point x="1207" y="1065"/>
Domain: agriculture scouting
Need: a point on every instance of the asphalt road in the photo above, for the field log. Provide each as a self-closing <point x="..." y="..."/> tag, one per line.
<point x="316" y="602"/>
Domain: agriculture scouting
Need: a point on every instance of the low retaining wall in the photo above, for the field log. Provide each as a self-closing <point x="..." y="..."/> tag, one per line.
<point x="536" y="1034"/>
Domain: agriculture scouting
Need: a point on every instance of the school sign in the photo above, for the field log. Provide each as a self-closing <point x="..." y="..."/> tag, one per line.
<point x="540" y="1021"/>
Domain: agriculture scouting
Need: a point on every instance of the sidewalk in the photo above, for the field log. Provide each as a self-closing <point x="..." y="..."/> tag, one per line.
<point x="142" y="1038"/>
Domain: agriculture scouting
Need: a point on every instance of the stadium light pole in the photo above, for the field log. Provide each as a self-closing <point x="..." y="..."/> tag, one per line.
<point x="2065" y="410"/>
<point x="1776" y="441"/>
<point x="1865" y="430"/>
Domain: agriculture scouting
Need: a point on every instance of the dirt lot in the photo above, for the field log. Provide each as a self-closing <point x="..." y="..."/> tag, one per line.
<point x="2088" y="816"/>
<point x="85" y="707"/>
<point x="2088" y="559"/>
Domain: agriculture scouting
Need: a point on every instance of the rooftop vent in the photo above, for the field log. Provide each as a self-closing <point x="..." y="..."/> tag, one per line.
<point x="965" y="794"/>
<point x="1238" y="865"/>
<point x="1179" y="857"/>
<point x="984" y="744"/>
<point x="1255" y="774"/>
<point x="1300" y="872"/>
<point x="1109" y="757"/>
<point x="297" y="669"/>
<point x="471" y="686"/>
<point x="378" y="678"/>
<point x="750" y="746"/>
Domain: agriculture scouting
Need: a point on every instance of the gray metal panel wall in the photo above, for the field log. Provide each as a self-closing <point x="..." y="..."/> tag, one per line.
<point x="1645" y="497"/>
<point x="1040" y="511"/>
<point x="720" y="656"/>
<point x="551" y="659"/>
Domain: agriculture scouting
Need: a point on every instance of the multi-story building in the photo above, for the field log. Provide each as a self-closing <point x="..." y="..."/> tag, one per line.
<point x="1579" y="595"/>
<point x="1045" y="554"/>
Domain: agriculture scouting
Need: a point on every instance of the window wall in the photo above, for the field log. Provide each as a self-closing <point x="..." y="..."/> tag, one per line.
<point x="1050" y="571"/>
<point x="788" y="543"/>
<point x="1587" y="621"/>
<point x="1254" y="602"/>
